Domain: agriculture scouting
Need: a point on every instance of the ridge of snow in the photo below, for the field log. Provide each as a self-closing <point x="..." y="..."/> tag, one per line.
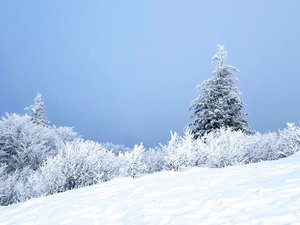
<point x="261" y="193"/>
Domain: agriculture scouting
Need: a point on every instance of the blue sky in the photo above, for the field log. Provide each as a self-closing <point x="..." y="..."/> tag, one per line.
<point x="126" y="71"/>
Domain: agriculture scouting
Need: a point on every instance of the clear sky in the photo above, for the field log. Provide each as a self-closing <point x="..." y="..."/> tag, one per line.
<point x="126" y="71"/>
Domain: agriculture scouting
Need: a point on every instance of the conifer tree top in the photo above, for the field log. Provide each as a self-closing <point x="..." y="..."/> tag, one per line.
<point x="37" y="111"/>
<point x="221" y="56"/>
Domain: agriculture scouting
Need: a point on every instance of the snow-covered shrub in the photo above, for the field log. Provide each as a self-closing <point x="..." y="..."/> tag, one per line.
<point x="154" y="160"/>
<point x="115" y="147"/>
<point x="225" y="147"/>
<point x="37" y="160"/>
<point x="78" y="164"/>
<point x="196" y="151"/>
<point x="24" y="143"/>
<point x="175" y="157"/>
<point x="13" y="185"/>
<point x="67" y="134"/>
<point x="134" y="161"/>
<point x="183" y="151"/>
<point x="262" y="147"/>
<point x="290" y="140"/>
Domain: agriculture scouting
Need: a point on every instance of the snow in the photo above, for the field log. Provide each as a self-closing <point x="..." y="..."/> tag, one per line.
<point x="261" y="193"/>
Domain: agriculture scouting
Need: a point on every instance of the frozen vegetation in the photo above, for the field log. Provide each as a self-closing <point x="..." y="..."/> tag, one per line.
<point x="38" y="159"/>
<point x="260" y="193"/>
<point x="218" y="103"/>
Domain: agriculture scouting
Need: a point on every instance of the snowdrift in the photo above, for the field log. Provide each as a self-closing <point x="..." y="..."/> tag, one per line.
<point x="260" y="193"/>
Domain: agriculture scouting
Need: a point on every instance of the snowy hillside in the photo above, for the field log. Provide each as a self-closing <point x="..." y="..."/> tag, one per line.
<point x="261" y="193"/>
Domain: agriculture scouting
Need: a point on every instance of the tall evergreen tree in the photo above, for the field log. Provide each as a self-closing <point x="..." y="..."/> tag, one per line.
<point x="37" y="111"/>
<point x="218" y="103"/>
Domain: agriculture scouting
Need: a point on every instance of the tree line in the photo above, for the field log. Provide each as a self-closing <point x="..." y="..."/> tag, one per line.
<point x="38" y="158"/>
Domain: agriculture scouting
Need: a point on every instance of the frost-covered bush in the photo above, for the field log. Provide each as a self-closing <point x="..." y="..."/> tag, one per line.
<point x="183" y="151"/>
<point x="262" y="147"/>
<point x="24" y="143"/>
<point x="78" y="164"/>
<point x="116" y="148"/>
<point x="24" y="146"/>
<point x="154" y="160"/>
<point x="13" y="185"/>
<point x="66" y="134"/>
<point x="226" y="148"/>
<point x="38" y="160"/>
<point x="177" y="152"/>
<point x="134" y="161"/>
<point x="290" y="140"/>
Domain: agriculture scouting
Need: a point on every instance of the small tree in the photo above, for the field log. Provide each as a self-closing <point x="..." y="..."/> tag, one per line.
<point x="37" y="111"/>
<point x="135" y="164"/>
<point x="24" y="143"/>
<point x="218" y="103"/>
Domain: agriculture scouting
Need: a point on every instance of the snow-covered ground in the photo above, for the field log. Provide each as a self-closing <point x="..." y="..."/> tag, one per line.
<point x="262" y="193"/>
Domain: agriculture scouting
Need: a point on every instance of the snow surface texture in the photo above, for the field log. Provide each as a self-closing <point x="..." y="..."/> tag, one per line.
<point x="261" y="193"/>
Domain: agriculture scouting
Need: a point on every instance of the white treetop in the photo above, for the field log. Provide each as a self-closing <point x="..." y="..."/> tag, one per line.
<point x="37" y="111"/>
<point x="221" y="56"/>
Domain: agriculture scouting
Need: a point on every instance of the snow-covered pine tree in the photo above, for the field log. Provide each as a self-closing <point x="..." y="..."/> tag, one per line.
<point x="37" y="111"/>
<point x="218" y="103"/>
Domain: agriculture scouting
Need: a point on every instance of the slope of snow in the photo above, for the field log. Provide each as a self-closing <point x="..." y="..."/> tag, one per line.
<point x="262" y="193"/>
